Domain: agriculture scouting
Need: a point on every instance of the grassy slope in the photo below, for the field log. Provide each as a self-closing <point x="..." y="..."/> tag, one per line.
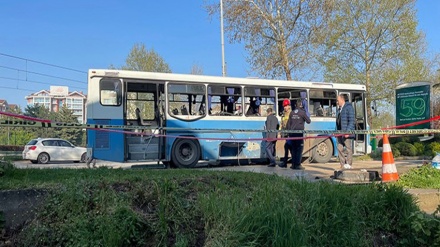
<point x="105" y="207"/>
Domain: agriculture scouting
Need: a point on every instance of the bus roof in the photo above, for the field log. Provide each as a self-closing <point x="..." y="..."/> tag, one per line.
<point x="189" y="78"/>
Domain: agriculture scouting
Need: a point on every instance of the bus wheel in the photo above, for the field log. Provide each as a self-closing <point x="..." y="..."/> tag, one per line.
<point x="322" y="151"/>
<point x="185" y="153"/>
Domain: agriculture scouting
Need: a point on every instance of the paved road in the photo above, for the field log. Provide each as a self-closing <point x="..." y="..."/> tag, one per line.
<point x="312" y="171"/>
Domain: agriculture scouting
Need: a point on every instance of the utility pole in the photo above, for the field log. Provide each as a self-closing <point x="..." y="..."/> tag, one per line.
<point x="222" y="39"/>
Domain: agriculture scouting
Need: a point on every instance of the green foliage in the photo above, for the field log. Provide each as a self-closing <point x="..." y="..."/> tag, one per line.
<point x="406" y="149"/>
<point x="423" y="177"/>
<point x="15" y="135"/>
<point x="277" y="35"/>
<point x="5" y="166"/>
<point x="420" y="148"/>
<point x="11" y="148"/>
<point x="425" y="230"/>
<point x="432" y="149"/>
<point x="141" y="59"/>
<point x="20" y="135"/>
<point x="74" y="135"/>
<point x="396" y="152"/>
<point x="105" y="207"/>
<point x="376" y="154"/>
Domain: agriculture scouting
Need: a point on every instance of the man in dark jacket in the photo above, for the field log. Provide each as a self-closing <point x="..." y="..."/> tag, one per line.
<point x="273" y="125"/>
<point x="296" y="121"/>
<point x="345" y="121"/>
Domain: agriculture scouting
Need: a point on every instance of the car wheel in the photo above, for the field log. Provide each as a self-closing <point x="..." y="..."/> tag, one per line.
<point x="322" y="151"/>
<point x="185" y="153"/>
<point x="83" y="158"/>
<point x="34" y="161"/>
<point x="43" y="158"/>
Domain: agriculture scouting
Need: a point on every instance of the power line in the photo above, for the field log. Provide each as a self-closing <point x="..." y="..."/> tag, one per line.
<point x="36" y="73"/>
<point x="38" y="82"/>
<point x="17" y="88"/>
<point x="48" y="64"/>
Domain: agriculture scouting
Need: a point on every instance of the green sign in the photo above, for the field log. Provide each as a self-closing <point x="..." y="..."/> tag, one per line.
<point x="412" y="105"/>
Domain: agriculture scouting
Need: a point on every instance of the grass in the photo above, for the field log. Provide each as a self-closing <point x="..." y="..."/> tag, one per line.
<point x="425" y="177"/>
<point x="114" y="207"/>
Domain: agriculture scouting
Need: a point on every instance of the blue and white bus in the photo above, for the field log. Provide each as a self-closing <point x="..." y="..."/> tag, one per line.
<point x="170" y="105"/>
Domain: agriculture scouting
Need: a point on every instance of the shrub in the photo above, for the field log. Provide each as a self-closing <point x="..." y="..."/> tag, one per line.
<point x="432" y="149"/>
<point x="406" y="149"/>
<point x="376" y="154"/>
<point x="396" y="152"/>
<point x="420" y="148"/>
<point x="11" y="148"/>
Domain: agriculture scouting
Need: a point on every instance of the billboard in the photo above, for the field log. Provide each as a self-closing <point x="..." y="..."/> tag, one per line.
<point x="59" y="90"/>
<point x="413" y="104"/>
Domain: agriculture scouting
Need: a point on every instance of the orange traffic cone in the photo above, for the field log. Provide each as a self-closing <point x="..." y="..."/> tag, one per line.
<point x="389" y="171"/>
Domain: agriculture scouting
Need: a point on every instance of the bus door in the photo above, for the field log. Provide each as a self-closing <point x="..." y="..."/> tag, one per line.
<point x="357" y="101"/>
<point x="105" y="107"/>
<point x="144" y="109"/>
<point x="361" y="140"/>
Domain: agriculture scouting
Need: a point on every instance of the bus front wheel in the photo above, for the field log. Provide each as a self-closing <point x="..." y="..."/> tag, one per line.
<point x="185" y="153"/>
<point x="322" y="151"/>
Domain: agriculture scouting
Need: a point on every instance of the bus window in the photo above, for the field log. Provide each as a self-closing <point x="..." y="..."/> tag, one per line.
<point x="358" y="105"/>
<point x="186" y="101"/>
<point x="142" y="100"/>
<point x="292" y="95"/>
<point x="224" y="101"/>
<point x="322" y="103"/>
<point x="257" y="100"/>
<point x="110" y="92"/>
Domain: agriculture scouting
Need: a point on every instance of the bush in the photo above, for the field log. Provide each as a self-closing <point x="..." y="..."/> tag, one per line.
<point x="11" y="148"/>
<point x="406" y="149"/>
<point x="376" y="154"/>
<point x="396" y="152"/>
<point x="432" y="149"/>
<point x="420" y="148"/>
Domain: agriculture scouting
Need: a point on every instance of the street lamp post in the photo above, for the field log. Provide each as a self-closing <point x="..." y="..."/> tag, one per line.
<point x="222" y="39"/>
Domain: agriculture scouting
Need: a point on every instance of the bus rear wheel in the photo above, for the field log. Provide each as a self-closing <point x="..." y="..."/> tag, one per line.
<point x="185" y="153"/>
<point x="322" y="151"/>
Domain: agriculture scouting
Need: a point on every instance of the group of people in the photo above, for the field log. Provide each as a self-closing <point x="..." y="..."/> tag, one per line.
<point x="295" y="119"/>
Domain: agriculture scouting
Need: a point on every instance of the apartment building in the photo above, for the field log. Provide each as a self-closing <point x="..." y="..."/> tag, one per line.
<point x="58" y="96"/>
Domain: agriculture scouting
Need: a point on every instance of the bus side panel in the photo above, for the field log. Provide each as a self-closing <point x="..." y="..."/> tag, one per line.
<point x="210" y="143"/>
<point x="309" y="144"/>
<point x="106" y="145"/>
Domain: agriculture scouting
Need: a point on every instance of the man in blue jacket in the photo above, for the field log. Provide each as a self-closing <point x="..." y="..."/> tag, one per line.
<point x="345" y="121"/>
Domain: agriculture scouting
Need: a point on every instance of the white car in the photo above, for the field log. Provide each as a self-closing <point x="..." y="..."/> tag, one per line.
<point x="43" y="150"/>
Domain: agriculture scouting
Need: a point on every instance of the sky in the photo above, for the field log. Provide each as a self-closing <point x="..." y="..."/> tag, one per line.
<point x="52" y="42"/>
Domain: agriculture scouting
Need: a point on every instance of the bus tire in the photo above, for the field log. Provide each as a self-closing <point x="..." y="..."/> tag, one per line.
<point x="185" y="153"/>
<point x="322" y="151"/>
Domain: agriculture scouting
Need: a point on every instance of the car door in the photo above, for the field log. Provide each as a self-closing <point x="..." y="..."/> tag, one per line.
<point x="51" y="147"/>
<point x="67" y="150"/>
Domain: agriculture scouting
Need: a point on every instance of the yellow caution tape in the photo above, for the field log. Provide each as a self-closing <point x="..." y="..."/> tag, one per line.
<point x="24" y="123"/>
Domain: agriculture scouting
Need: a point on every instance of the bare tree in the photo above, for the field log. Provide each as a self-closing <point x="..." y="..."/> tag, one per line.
<point x="278" y="34"/>
<point x="196" y="69"/>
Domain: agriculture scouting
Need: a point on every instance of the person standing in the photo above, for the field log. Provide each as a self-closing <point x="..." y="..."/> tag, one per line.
<point x="271" y="125"/>
<point x="284" y="119"/>
<point x="345" y="120"/>
<point x="297" y="118"/>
